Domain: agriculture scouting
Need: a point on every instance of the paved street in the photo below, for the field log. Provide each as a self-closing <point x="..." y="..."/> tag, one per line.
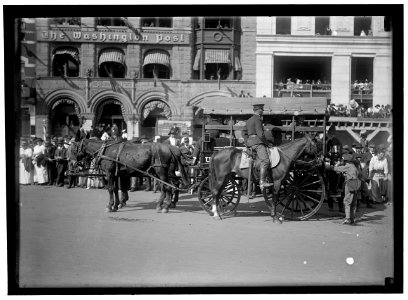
<point x="67" y="240"/>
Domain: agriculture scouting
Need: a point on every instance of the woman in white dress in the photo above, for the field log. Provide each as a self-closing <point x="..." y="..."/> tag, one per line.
<point x="26" y="166"/>
<point x="378" y="172"/>
<point x="40" y="169"/>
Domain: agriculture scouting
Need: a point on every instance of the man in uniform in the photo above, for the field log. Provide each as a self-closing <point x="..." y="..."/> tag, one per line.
<point x="258" y="143"/>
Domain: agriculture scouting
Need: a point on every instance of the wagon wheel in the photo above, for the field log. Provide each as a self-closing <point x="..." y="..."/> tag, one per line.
<point x="229" y="198"/>
<point x="301" y="194"/>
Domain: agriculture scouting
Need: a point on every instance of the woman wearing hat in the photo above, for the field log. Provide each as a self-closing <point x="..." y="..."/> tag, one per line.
<point x="378" y="172"/>
<point x="26" y="166"/>
<point x="40" y="170"/>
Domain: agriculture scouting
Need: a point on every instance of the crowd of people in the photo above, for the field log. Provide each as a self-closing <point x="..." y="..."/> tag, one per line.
<point x="366" y="164"/>
<point x="353" y="109"/>
<point x="51" y="161"/>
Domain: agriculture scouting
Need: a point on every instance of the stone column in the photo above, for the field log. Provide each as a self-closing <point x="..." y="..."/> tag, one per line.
<point x="132" y="124"/>
<point x="264" y="75"/>
<point x="340" y="79"/>
<point x="382" y="85"/>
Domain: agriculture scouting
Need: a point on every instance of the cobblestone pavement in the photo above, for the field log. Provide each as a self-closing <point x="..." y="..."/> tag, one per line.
<point x="67" y="240"/>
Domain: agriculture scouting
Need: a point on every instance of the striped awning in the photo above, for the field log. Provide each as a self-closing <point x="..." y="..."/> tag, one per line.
<point x="157" y="57"/>
<point x="237" y="64"/>
<point x="196" y="65"/>
<point x="73" y="52"/>
<point x="112" y="55"/>
<point x="217" y="56"/>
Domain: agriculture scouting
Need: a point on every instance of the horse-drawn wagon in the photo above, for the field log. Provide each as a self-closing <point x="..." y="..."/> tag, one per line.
<point x="302" y="191"/>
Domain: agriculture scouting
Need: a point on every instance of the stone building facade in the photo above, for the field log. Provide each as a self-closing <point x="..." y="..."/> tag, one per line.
<point x="337" y="50"/>
<point x="142" y="74"/>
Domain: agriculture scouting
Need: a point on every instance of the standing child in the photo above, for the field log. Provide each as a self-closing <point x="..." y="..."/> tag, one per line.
<point x="352" y="186"/>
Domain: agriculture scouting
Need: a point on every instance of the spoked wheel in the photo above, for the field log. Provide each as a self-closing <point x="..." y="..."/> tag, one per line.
<point x="301" y="194"/>
<point x="229" y="198"/>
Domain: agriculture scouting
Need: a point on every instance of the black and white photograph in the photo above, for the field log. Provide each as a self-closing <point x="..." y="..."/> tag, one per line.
<point x="203" y="149"/>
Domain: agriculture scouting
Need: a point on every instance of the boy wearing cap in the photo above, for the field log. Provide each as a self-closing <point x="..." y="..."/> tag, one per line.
<point x="257" y="142"/>
<point x="350" y="173"/>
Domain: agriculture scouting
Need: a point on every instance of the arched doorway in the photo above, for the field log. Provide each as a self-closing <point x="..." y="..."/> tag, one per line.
<point x="110" y="112"/>
<point x="64" y="118"/>
<point x="152" y="112"/>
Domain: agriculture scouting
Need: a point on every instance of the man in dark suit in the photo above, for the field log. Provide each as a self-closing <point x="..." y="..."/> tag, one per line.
<point x="258" y="143"/>
<point x="61" y="161"/>
<point x="49" y="158"/>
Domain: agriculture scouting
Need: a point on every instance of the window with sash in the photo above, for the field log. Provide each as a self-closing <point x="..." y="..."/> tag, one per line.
<point x="157" y="22"/>
<point x="109" y="22"/>
<point x="66" y="21"/>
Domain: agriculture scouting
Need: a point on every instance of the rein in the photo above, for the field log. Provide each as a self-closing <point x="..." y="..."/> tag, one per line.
<point x="143" y="172"/>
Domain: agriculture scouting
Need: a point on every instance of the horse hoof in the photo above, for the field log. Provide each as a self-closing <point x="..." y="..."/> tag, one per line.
<point x="216" y="218"/>
<point x="172" y="205"/>
<point x="165" y="210"/>
<point x="277" y="220"/>
<point x="158" y="209"/>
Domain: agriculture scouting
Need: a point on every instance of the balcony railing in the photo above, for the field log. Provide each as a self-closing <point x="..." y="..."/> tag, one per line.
<point x="363" y="95"/>
<point x="302" y="90"/>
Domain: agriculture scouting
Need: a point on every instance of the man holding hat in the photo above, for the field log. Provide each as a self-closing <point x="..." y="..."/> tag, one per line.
<point x="351" y="175"/>
<point x="258" y="143"/>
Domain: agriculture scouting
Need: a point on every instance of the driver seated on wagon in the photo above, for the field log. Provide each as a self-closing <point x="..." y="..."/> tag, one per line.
<point x="258" y="143"/>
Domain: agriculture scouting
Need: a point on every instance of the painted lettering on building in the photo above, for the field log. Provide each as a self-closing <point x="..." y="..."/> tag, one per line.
<point x="114" y="37"/>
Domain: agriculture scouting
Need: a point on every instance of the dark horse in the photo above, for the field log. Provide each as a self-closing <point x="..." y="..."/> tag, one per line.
<point x="226" y="163"/>
<point x="117" y="159"/>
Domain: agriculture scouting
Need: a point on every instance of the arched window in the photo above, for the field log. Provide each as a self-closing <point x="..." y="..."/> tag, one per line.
<point x="65" y="62"/>
<point x="111" y="63"/>
<point x="156" y="64"/>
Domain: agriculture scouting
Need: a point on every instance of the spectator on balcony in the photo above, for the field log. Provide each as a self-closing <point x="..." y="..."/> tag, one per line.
<point x="369" y="112"/>
<point x="290" y="85"/>
<point x="376" y="111"/>
<point x="242" y="95"/>
<point x="362" y="33"/>
<point x="387" y="109"/>
<point x="353" y="106"/>
<point x="328" y="30"/>
<point x="356" y="87"/>
<point x="366" y="87"/>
